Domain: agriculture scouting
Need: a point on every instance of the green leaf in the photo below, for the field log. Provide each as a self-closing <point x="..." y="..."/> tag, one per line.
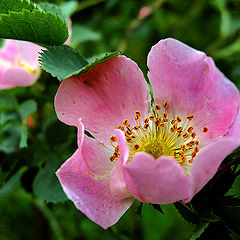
<point x="24" y="135"/>
<point x="27" y="107"/>
<point x="46" y="185"/>
<point x="8" y="188"/>
<point x="158" y="208"/>
<point x="231" y="213"/>
<point x="7" y="102"/>
<point x="199" y="230"/>
<point x="186" y="213"/>
<point x="43" y="28"/>
<point x="63" y="61"/>
<point x="15" y="6"/>
<point x="214" y="230"/>
<point x="49" y="7"/>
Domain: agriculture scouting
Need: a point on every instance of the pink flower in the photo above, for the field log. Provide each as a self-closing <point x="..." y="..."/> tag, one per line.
<point x="157" y="155"/>
<point x="18" y="64"/>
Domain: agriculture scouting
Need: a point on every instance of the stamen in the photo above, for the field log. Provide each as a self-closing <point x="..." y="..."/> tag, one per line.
<point x="178" y="119"/>
<point x="190" y="117"/>
<point x="205" y="129"/>
<point x="158" y="135"/>
<point x="113" y="138"/>
<point x="165" y="105"/>
<point x="157" y="107"/>
<point x="136" y="147"/>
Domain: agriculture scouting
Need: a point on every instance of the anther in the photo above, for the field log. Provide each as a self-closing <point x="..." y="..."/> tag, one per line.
<point x="178" y="119"/>
<point x="113" y="138"/>
<point x="193" y="135"/>
<point x="196" y="142"/>
<point x="146" y="125"/>
<point x="157" y="123"/>
<point x="165" y="105"/>
<point x="173" y="121"/>
<point x="190" y="117"/>
<point x="137" y="115"/>
<point x="190" y="129"/>
<point x="146" y="120"/>
<point x="112" y="158"/>
<point x="120" y="127"/>
<point x="164" y="115"/>
<point x="126" y="123"/>
<point x="196" y="149"/>
<point x="193" y="154"/>
<point x="136" y="147"/>
<point x="185" y="135"/>
<point x="136" y="128"/>
<point x="129" y="132"/>
<point x="162" y="125"/>
<point x="179" y="129"/>
<point x="152" y="117"/>
<point x="157" y="107"/>
<point x="205" y="129"/>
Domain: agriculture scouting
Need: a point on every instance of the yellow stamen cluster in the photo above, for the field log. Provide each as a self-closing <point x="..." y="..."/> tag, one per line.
<point x="160" y="136"/>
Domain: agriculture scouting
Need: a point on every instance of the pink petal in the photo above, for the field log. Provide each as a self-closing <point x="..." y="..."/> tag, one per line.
<point x="16" y="76"/>
<point x="95" y="155"/>
<point x="9" y="51"/>
<point x="29" y="52"/>
<point x="92" y="196"/>
<point x="69" y="32"/>
<point x="103" y="97"/>
<point x="208" y="160"/>
<point x="191" y="84"/>
<point x="235" y="128"/>
<point x="160" y="181"/>
<point x="117" y="183"/>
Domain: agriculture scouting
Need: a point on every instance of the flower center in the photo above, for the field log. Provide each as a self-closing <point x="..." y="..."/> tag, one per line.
<point x="154" y="147"/>
<point x="160" y="136"/>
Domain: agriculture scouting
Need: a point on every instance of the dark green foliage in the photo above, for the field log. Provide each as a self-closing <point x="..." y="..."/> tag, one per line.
<point x="43" y="28"/>
<point x="32" y="151"/>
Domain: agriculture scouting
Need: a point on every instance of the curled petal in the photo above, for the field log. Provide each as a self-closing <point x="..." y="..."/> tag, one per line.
<point x="160" y="181"/>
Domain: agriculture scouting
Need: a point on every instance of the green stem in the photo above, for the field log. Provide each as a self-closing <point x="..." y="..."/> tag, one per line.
<point x="51" y="219"/>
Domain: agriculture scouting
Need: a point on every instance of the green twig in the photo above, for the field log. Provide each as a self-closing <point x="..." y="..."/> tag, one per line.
<point x="51" y="219"/>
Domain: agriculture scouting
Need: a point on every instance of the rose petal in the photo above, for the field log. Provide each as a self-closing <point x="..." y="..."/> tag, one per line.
<point x="9" y="51"/>
<point x="117" y="182"/>
<point x="208" y="160"/>
<point x="95" y="154"/>
<point x="235" y="128"/>
<point x="160" y="181"/>
<point x="191" y="84"/>
<point x="103" y="97"/>
<point x="29" y="52"/>
<point x="90" y="195"/>
<point x="16" y="76"/>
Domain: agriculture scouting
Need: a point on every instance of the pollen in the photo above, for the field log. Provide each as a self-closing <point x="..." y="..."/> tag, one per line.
<point x="162" y="135"/>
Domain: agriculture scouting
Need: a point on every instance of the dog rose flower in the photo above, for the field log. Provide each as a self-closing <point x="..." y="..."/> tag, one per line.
<point x="18" y="64"/>
<point x="159" y="154"/>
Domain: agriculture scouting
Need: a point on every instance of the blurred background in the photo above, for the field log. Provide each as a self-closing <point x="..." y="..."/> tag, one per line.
<point x="32" y="204"/>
